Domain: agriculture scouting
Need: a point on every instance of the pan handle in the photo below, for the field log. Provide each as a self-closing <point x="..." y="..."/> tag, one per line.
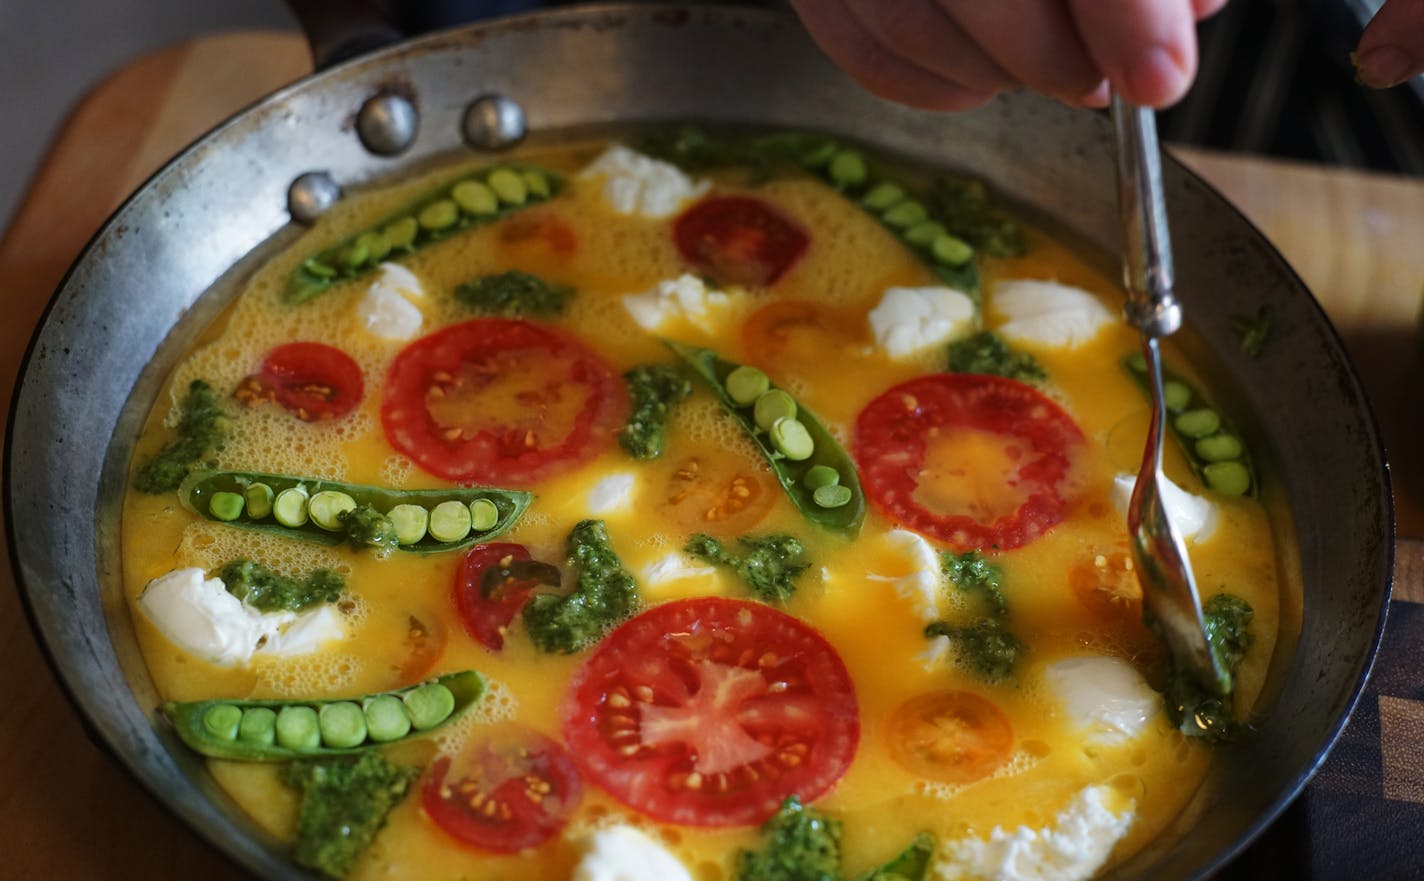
<point x="338" y="30"/>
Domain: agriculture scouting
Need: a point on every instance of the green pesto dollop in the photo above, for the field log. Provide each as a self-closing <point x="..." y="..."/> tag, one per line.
<point x="365" y="527"/>
<point x="202" y="427"/>
<point x="984" y="643"/>
<point x="514" y="293"/>
<point x="986" y="352"/>
<point x="799" y="843"/>
<point x="269" y="591"/>
<point x="969" y="213"/>
<point x="604" y="595"/>
<point x="655" y="391"/>
<point x="1195" y="710"/>
<point x="769" y="564"/>
<point x="344" y="803"/>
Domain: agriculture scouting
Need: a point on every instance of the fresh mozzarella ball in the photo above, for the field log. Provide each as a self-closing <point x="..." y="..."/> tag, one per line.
<point x="1192" y="515"/>
<point x="307" y="633"/>
<point x="389" y="307"/>
<point x="1072" y="849"/>
<point x="1047" y="313"/>
<point x="1104" y="697"/>
<point x="199" y="616"/>
<point x="909" y="320"/>
<point x="683" y="297"/>
<point x="638" y="184"/>
<point x="613" y="494"/>
<point x="913" y="568"/>
<point x="622" y="853"/>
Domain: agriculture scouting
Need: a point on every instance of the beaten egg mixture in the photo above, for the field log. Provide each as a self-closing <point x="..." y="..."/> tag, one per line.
<point x="1073" y="765"/>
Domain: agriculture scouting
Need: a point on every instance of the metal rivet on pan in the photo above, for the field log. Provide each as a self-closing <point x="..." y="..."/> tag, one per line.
<point x="494" y="122"/>
<point x="310" y="195"/>
<point x="387" y="124"/>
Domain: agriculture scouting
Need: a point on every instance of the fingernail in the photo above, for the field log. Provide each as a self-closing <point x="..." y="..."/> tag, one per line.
<point x="1382" y="67"/>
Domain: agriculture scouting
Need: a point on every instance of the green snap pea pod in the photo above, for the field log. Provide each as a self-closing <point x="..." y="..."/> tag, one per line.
<point x="473" y="200"/>
<point x="410" y="531"/>
<point x="916" y="222"/>
<point x="847" y="514"/>
<point x="283" y="730"/>
<point x="1213" y="447"/>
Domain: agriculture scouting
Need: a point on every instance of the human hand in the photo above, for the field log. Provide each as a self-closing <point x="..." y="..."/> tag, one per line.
<point x="957" y="54"/>
<point x="1391" y="50"/>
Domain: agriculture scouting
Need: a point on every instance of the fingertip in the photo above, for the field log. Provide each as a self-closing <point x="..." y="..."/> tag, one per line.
<point x="1156" y="77"/>
<point x="1383" y="67"/>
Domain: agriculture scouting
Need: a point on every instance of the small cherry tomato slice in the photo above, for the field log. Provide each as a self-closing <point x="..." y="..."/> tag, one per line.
<point x="973" y="461"/>
<point x="711" y="711"/>
<point x="502" y="401"/>
<point x="544" y="230"/>
<point x="487" y="616"/>
<point x="738" y="240"/>
<point x="950" y="736"/>
<point x="799" y="332"/>
<point x="424" y="644"/>
<point x="312" y="380"/>
<point x="718" y="492"/>
<point x="510" y="790"/>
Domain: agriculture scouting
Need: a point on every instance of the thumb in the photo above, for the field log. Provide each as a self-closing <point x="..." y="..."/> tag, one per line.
<point x="1391" y="50"/>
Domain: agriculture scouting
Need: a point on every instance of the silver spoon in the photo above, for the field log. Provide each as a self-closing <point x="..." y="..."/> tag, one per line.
<point x="1169" y="592"/>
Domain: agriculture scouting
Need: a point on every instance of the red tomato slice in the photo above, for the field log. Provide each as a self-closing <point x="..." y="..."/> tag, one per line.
<point x="738" y="240"/>
<point x="498" y="400"/>
<point x="913" y="443"/>
<point x="486" y="617"/>
<point x="312" y="380"/>
<point x="512" y="789"/>
<point x="711" y="711"/>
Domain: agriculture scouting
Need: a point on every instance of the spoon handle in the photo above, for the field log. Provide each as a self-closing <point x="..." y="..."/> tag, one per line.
<point x="1147" y="249"/>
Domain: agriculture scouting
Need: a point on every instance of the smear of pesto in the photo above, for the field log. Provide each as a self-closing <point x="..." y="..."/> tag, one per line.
<point x="202" y="427"/>
<point x="1196" y="711"/>
<point x="983" y="644"/>
<point x="345" y="802"/>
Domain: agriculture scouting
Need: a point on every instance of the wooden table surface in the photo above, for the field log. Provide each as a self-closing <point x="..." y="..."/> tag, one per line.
<point x="68" y="810"/>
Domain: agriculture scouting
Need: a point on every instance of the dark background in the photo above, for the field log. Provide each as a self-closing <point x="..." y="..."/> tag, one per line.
<point x="1275" y="76"/>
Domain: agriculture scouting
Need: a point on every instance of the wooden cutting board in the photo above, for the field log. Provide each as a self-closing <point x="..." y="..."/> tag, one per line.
<point x="71" y="813"/>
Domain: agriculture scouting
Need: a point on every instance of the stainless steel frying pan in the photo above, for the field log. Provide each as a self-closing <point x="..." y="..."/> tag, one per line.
<point x="175" y="253"/>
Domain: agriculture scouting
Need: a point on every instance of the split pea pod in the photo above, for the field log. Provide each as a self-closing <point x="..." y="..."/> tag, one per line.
<point x="914" y="220"/>
<point x="1213" y="446"/>
<point x="332" y="513"/>
<point x="283" y="730"/>
<point x="475" y="199"/>
<point x="816" y="472"/>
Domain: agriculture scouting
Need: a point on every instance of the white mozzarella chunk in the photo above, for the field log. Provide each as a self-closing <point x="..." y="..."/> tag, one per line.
<point x="389" y="309"/>
<point x="913" y="570"/>
<point x="1072" y="849"/>
<point x="307" y="632"/>
<point x="613" y="494"/>
<point x="1105" y="698"/>
<point x="675" y="567"/>
<point x="199" y="616"/>
<point x="637" y="184"/>
<point x="1192" y="515"/>
<point x="623" y="853"/>
<point x="683" y="297"/>
<point x="909" y="320"/>
<point x="1047" y="313"/>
